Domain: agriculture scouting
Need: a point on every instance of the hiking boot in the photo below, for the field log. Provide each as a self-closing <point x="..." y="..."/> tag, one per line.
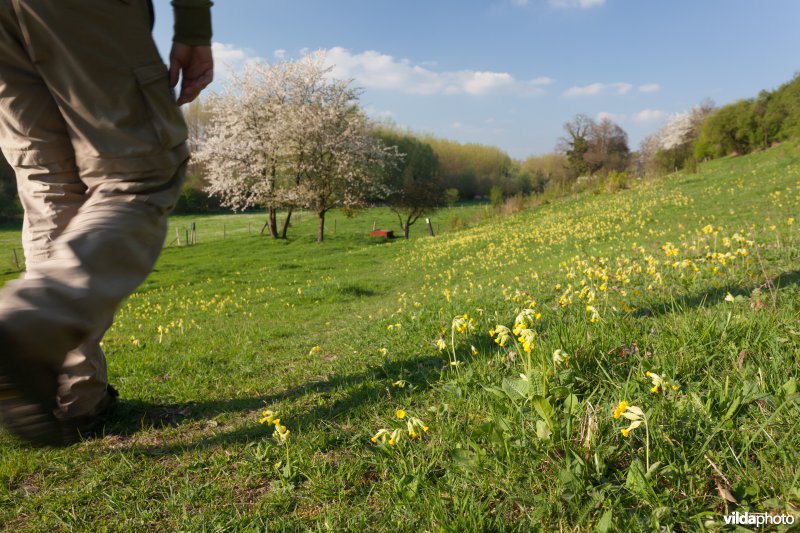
<point x="27" y="398"/>
<point x="85" y="427"/>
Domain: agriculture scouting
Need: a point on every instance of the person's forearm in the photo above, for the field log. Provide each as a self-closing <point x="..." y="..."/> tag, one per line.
<point x="192" y="22"/>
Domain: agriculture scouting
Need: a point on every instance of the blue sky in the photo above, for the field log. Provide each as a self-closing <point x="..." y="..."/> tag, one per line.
<point x="509" y="73"/>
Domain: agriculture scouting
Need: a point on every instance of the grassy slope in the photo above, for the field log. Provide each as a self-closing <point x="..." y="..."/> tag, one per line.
<point x="242" y="316"/>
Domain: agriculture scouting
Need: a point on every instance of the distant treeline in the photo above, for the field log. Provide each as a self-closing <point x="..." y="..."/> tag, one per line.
<point x="706" y="132"/>
<point x="754" y="124"/>
<point x="590" y="151"/>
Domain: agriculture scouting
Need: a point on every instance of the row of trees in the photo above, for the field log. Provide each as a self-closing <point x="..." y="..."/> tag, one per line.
<point x="753" y="124"/>
<point x="706" y="132"/>
<point x="285" y="136"/>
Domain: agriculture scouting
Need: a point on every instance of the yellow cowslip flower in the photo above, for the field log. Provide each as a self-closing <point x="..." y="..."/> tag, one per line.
<point x="441" y="344"/>
<point x="400" y="414"/>
<point x="464" y="324"/>
<point x="632" y="413"/>
<point x="473" y="350"/>
<point x="790" y="221"/>
<point x="670" y="250"/>
<point x="415" y="427"/>
<point x="382" y="435"/>
<point x="659" y="383"/>
<point x="527" y="337"/>
<point x="621" y="408"/>
<point x="527" y="317"/>
<point x="501" y="334"/>
<point x="560" y="356"/>
<point x="384" y="352"/>
<point x="315" y="350"/>
<point x="267" y="417"/>
<point x="281" y="434"/>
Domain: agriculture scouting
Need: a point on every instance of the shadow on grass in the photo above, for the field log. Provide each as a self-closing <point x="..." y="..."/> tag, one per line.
<point x="361" y="389"/>
<point x="716" y="296"/>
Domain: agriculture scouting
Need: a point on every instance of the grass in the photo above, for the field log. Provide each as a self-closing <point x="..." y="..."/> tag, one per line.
<point x="336" y="338"/>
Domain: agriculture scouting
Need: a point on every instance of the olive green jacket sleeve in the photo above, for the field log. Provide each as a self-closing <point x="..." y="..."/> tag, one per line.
<point x="192" y="21"/>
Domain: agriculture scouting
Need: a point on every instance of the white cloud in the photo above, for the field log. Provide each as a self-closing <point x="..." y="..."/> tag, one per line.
<point x="613" y="117"/>
<point x="649" y="88"/>
<point x="599" y="88"/>
<point x="577" y="3"/>
<point x="229" y="58"/>
<point x="456" y="125"/>
<point x="379" y="114"/>
<point x="649" y="115"/>
<point x="375" y="70"/>
<point x="544" y="80"/>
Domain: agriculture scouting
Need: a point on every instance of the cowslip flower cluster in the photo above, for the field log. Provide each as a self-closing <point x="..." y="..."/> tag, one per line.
<point x="660" y="384"/>
<point x="527" y="337"/>
<point x="500" y="334"/>
<point x="414" y="428"/>
<point x="281" y="434"/>
<point x="630" y="412"/>
<point x="464" y="324"/>
<point x="560" y="357"/>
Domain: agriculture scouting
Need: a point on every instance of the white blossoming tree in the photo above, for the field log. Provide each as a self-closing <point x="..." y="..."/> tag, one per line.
<point x="338" y="160"/>
<point x="242" y="149"/>
<point x="288" y="135"/>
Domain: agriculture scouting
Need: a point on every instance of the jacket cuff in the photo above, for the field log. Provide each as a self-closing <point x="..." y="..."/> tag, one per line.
<point x="193" y="24"/>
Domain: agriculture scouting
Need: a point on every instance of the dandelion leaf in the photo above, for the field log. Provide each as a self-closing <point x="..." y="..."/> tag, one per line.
<point x="516" y="388"/>
<point x="543" y="409"/>
<point x="542" y="431"/>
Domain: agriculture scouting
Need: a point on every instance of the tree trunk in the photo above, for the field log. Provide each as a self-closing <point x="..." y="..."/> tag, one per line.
<point x="321" y="233"/>
<point x="273" y="222"/>
<point x="286" y="222"/>
<point x="406" y="230"/>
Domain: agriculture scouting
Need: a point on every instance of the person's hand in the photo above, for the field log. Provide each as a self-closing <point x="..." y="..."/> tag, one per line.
<point x="195" y="65"/>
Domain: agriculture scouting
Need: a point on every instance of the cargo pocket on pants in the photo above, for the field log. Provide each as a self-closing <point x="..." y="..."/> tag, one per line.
<point x="165" y="115"/>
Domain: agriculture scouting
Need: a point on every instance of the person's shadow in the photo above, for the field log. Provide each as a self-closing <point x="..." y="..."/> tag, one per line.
<point x="362" y="388"/>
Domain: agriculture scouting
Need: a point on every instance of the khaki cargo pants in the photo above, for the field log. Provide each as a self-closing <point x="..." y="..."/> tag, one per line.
<point x="89" y="123"/>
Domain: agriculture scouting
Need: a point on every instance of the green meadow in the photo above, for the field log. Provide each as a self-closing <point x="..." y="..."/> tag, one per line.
<point x="609" y="361"/>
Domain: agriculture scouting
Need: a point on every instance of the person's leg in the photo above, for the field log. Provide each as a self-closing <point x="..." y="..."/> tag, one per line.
<point x="50" y="201"/>
<point x="100" y="67"/>
<point x="35" y="140"/>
